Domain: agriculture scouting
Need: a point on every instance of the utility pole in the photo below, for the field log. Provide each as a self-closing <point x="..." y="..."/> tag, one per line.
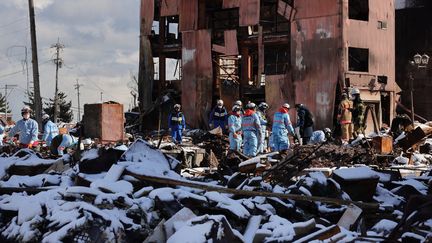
<point x="101" y="94"/>
<point x="37" y="95"/>
<point x="58" y="62"/>
<point x="77" y="87"/>
<point x="6" y="87"/>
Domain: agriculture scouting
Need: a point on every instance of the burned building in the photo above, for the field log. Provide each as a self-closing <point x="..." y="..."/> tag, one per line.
<point x="304" y="51"/>
<point x="413" y="35"/>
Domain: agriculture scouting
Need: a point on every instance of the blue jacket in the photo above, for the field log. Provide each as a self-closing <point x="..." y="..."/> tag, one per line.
<point x="281" y="121"/>
<point x="234" y="123"/>
<point x="250" y="122"/>
<point x="176" y="121"/>
<point x="50" y="131"/>
<point x="28" y="131"/>
<point x="219" y="114"/>
<point x="2" y="129"/>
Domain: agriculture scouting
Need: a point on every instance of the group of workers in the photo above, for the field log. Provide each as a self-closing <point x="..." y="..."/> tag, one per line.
<point x="247" y="126"/>
<point x="249" y="129"/>
<point x="28" y="132"/>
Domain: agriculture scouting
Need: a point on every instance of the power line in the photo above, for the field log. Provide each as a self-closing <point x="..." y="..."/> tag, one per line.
<point x="15" y="31"/>
<point x="13" y="22"/>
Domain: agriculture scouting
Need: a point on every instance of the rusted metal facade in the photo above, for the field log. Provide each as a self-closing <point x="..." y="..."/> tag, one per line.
<point x="276" y="51"/>
<point x="104" y="121"/>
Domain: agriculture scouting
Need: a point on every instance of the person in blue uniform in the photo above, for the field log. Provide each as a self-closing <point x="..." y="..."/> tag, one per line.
<point x="262" y="110"/>
<point x="27" y="129"/>
<point x="176" y="124"/>
<point x="251" y="130"/>
<point x="50" y="129"/>
<point x="235" y="128"/>
<point x="218" y="116"/>
<point x="281" y="127"/>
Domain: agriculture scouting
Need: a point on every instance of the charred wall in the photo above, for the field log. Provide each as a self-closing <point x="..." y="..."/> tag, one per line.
<point x="414" y="35"/>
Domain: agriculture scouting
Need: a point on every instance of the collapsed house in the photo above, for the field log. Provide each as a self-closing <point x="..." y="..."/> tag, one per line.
<point x="275" y="51"/>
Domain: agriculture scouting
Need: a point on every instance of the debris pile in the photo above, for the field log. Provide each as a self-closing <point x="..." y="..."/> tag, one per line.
<point x="137" y="193"/>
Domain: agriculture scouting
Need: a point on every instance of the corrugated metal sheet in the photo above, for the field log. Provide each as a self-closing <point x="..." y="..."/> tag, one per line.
<point x="316" y="40"/>
<point x="230" y="3"/>
<point x="197" y="76"/>
<point x="278" y="90"/>
<point x="147" y="15"/>
<point x="249" y="12"/>
<point x="231" y="46"/>
<point x="169" y="7"/>
<point x="188" y="15"/>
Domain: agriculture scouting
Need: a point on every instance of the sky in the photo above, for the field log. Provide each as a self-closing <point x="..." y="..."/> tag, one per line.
<point x="101" y="39"/>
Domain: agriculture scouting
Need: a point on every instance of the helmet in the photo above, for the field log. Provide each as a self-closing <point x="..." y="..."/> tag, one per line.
<point x="327" y="130"/>
<point x="355" y="91"/>
<point x="236" y="108"/>
<point x="45" y="117"/>
<point x="26" y="109"/>
<point x="239" y="103"/>
<point x="177" y="106"/>
<point x="286" y="105"/>
<point x="219" y="102"/>
<point x="297" y="106"/>
<point x="263" y="106"/>
<point x="251" y="106"/>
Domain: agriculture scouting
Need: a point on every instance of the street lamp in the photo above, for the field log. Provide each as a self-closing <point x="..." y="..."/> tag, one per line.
<point x="419" y="61"/>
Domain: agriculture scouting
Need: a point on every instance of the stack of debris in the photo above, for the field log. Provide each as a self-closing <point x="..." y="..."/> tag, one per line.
<point x="140" y="196"/>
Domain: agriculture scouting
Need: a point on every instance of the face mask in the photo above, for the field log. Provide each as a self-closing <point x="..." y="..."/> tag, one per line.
<point x="26" y="116"/>
<point x="219" y="106"/>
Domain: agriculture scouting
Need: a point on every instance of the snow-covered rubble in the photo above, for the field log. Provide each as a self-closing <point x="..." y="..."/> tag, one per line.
<point x="116" y="206"/>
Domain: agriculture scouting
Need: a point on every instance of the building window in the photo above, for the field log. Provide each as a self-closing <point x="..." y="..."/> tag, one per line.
<point x="358" y="10"/>
<point x="358" y="59"/>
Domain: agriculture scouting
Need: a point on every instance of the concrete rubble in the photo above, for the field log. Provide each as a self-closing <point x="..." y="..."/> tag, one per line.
<point x="197" y="192"/>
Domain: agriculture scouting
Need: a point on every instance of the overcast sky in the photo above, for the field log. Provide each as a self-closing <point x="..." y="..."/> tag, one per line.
<point x="101" y="48"/>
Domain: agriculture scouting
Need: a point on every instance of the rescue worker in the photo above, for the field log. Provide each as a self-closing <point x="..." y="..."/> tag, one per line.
<point x="235" y="128"/>
<point x="27" y="129"/>
<point x="251" y="130"/>
<point x="304" y="122"/>
<point x="218" y="116"/>
<point x="50" y="129"/>
<point x="240" y="104"/>
<point x="345" y="118"/>
<point x="60" y="144"/>
<point x="281" y="127"/>
<point x="358" y="112"/>
<point x="176" y="124"/>
<point x="262" y="109"/>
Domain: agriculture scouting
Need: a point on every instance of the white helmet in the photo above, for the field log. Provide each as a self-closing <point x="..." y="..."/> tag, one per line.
<point x="26" y="109"/>
<point x="286" y="105"/>
<point x="251" y="106"/>
<point x="355" y="91"/>
<point x="263" y="106"/>
<point x="219" y="102"/>
<point x="239" y="103"/>
<point x="45" y="117"/>
<point x="236" y="108"/>
<point x="177" y="106"/>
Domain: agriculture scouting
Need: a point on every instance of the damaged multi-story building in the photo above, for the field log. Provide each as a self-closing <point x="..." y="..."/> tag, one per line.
<point x="296" y="51"/>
